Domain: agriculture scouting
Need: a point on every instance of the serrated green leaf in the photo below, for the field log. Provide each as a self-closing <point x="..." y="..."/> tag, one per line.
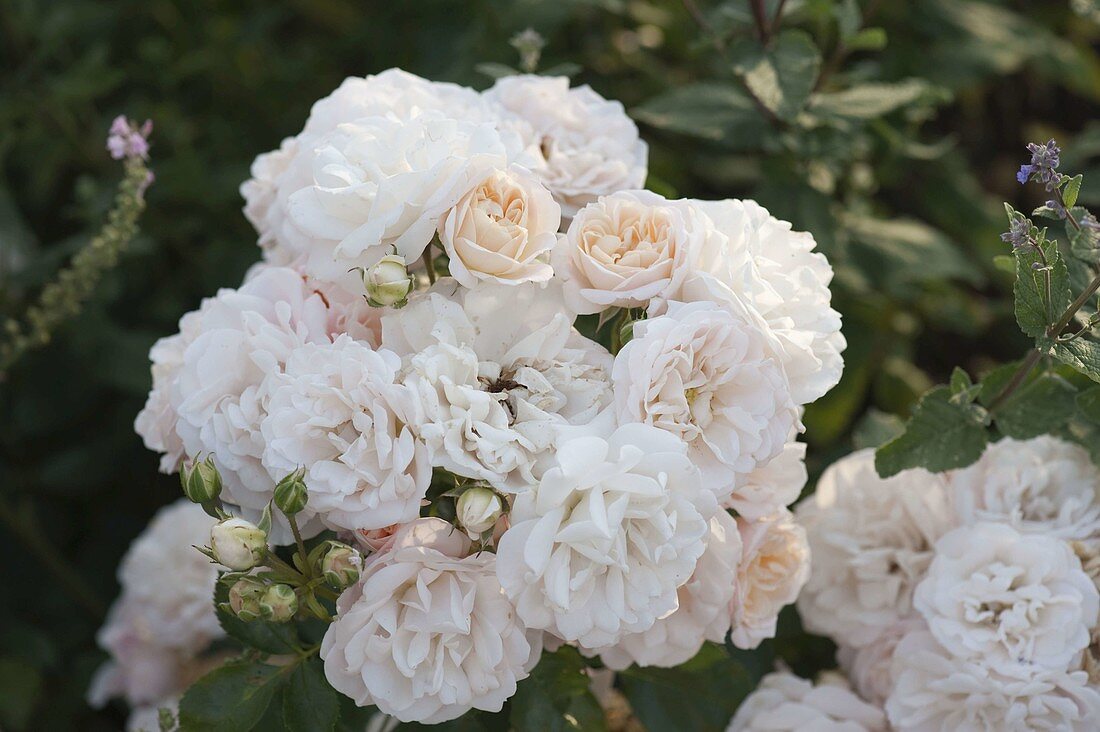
<point x="939" y="436"/>
<point x="556" y="697"/>
<point x="1081" y="353"/>
<point x="1034" y="309"/>
<point x="700" y="695"/>
<point x="232" y="698"/>
<point x="868" y="101"/>
<point x="309" y="703"/>
<point x="710" y="110"/>
<point x="1044" y="404"/>
<point x="875" y="429"/>
<point x="782" y="75"/>
<point x="1072" y="190"/>
<point x="273" y="638"/>
<point x="960" y="381"/>
<point x="1046" y="212"/>
<point x="1088" y="404"/>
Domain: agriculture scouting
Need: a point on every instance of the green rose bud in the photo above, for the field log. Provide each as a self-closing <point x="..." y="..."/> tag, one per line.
<point x="279" y="603"/>
<point x="340" y="565"/>
<point x="291" y="495"/>
<point x="388" y="283"/>
<point x="237" y="544"/>
<point x="244" y="599"/>
<point x="201" y="481"/>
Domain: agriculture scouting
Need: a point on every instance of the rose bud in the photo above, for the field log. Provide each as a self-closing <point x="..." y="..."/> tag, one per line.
<point x="279" y="603"/>
<point x="201" y="481"/>
<point x="478" y="510"/>
<point x="291" y="494"/>
<point x="388" y="283"/>
<point x="340" y="565"/>
<point x="244" y="598"/>
<point x="237" y="544"/>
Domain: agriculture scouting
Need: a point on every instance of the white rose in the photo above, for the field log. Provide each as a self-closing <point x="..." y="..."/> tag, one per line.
<point x="625" y="249"/>
<point x="262" y="207"/>
<point x="387" y="282"/>
<point x="599" y="547"/>
<point x="1044" y="485"/>
<point x="336" y="411"/>
<point x="163" y="621"/>
<point x="870" y="668"/>
<point x="703" y="374"/>
<point x="496" y="370"/>
<point x="502" y="231"/>
<point x="1001" y="597"/>
<point x="774" y="485"/>
<point x="775" y="564"/>
<point x="757" y="258"/>
<point x="590" y="147"/>
<point x="426" y="636"/>
<point x="702" y="611"/>
<point x="477" y="510"/>
<point x="935" y="690"/>
<point x="784" y="702"/>
<point x="871" y="541"/>
<point x="213" y="385"/>
<point x="237" y="543"/>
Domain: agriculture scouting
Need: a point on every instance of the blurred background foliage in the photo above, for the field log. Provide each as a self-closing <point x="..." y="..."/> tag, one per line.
<point x="890" y="130"/>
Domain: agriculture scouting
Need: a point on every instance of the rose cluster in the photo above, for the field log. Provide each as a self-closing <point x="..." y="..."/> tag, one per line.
<point x="966" y="600"/>
<point x="420" y="352"/>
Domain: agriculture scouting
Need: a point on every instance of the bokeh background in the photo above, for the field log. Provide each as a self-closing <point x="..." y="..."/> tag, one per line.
<point x="916" y="126"/>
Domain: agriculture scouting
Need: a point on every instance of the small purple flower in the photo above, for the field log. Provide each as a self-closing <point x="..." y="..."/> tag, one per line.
<point x="1019" y="233"/>
<point x="1057" y="207"/>
<point x="126" y="140"/>
<point x="1043" y="167"/>
<point x="1025" y="173"/>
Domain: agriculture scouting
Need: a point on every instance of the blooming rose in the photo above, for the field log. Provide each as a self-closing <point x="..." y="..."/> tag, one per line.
<point x="703" y="374"/>
<point x="775" y="564"/>
<point x="1000" y="597"/>
<point x="496" y="370"/>
<point x="773" y="485"/>
<point x="784" y="702"/>
<point x="164" y="619"/>
<point x="935" y="690"/>
<point x="502" y="230"/>
<point x="758" y="259"/>
<point x="870" y="668"/>
<point x="426" y="634"/>
<point x="336" y="410"/>
<point x="262" y="206"/>
<point x="379" y="185"/>
<point x="625" y="249"/>
<point x="589" y="146"/>
<point x="702" y="612"/>
<point x="871" y="541"/>
<point x="599" y="547"/>
<point x="1044" y="485"/>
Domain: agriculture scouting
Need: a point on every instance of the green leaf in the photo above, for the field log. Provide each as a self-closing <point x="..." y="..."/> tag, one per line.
<point x="1042" y="405"/>
<point x="556" y="696"/>
<point x="232" y="698"/>
<point x="868" y="39"/>
<point x="700" y="695"/>
<point x="940" y="435"/>
<point x="309" y="703"/>
<point x="273" y="638"/>
<point x="495" y="70"/>
<point x="1072" y="190"/>
<point x="876" y="428"/>
<point x="1088" y="404"/>
<point x="1034" y="311"/>
<point x="848" y="18"/>
<point x="1081" y="353"/>
<point x="960" y="381"/>
<point x="710" y="110"/>
<point x="868" y="101"/>
<point x="782" y="75"/>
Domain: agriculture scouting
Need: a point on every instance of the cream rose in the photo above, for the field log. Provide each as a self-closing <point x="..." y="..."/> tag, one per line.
<point x="502" y="231"/>
<point x="784" y="702"/>
<point x="775" y="564"/>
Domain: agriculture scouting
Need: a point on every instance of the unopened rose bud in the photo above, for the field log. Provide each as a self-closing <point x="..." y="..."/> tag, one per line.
<point x="290" y="493"/>
<point x="340" y="565"/>
<point x="279" y="603"/>
<point x="244" y="598"/>
<point x="237" y="544"/>
<point x="201" y="481"/>
<point x="388" y="283"/>
<point x="478" y="510"/>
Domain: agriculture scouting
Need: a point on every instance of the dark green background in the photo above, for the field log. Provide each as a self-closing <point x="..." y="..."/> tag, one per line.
<point x="225" y="80"/>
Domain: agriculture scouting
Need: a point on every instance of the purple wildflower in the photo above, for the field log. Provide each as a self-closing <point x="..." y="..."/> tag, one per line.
<point x="1025" y="173"/>
<point x="1019" y="233"/>
<point x="127" y="140"/>
<point x="1044" y="165"/>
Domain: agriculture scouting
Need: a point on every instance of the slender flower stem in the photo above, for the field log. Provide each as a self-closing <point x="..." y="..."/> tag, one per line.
<point x="429" y="264"/>
<point x="301" y="544"/>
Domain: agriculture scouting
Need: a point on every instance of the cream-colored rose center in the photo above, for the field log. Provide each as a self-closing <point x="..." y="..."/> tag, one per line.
<point x="504" y="204"/>
<point x="634" y="242"/>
